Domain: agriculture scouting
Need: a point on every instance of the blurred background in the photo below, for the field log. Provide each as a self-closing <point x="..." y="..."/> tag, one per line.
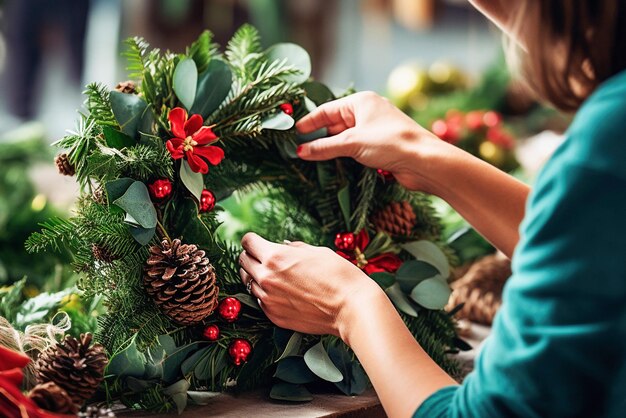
<point x="438" y="60"/>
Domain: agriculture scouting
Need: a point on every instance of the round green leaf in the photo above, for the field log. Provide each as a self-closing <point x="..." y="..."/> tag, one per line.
<point x="193" y="181"/>
<point x="128" y="110"/>
<point x="213" y="87"/>
<point x="383" y="279"/>
<point x="316" y="358"/>
<point x="136" y="202"/>
<point x="279" y="121"/>
<point x="295" y="56"/>
<point x="413" y="272"/>
<point x="429" y="252"/>
<point x="294" y="370"/>
<point x="400" y="301"/>
<point x="185" y="82"/>
<point x="432" y="293"/>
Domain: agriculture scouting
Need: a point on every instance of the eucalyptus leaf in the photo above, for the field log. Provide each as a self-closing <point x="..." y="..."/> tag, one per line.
<point x="190" y="363"/>
<point x="431" y="293"/>
<point x="354" y="378"/>
<point x="137" y="385"/>
<point x="247" y="300"/>
<point x="283" y="391"/>
<point x="429" y="252"/>
<point x="294" y="370"/>
<point x="117" y="139"/>
<point x="142" y="235"/>
<point x="295" y="56"/>
<point x="214" y="84"/>
<point x="343" y="196"/>
<point x="172" y="363"/>
<point x="400" y="300"/>
<point x="279" y="121"/>
<point x="318" y="92"/>
<point x="137" y="203"/>
<point x="178" y="393"/>
<point x="287" y="149"/>
<point x="128" y="362"/>
<point x="202" y="397"/>
<point x="312" y="136"/>
<point x="293" y="346"/>
<point x="128" y="110"/>
<point x="316" y="358"/>
<point x="185" y="82"/>
<point x="116" y="188"/>
<point x="412" y="272"/>
<point x="167" y="343"/>
<point x="383" y="279"/>
<point x="193" y="181"/>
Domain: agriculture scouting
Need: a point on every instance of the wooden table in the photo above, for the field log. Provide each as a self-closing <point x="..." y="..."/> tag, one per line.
<point x="256" y="404"/>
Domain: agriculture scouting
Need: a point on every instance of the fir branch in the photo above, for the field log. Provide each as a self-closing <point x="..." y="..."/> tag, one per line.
<point x="56" y="233"/>
<point x="203" y="50"/>
<point x="243" y="52"/>
<point x="98" y="104"/>
<point x="136" y="56"/>
<point x="367" y="192"/>
<point x="80" y="144"/>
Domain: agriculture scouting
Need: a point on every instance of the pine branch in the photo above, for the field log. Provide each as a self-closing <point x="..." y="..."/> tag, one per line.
<point x="136" y="56"/>
<point x="203" y="50"/>
<point x="99" y="105"/>
<point x="367" y="193"/>
<point x="243" y="52"/>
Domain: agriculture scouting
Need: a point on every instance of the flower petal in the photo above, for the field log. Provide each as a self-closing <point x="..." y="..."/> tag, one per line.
<point x="193" y="124"/>
<point x="178" y="118"/>
<point x="196" y="163"/>
<point x="175" y="151"/>
<point x="204" y="136"/>
<point x="10" y="359"/>
<point x="213" y="154"/>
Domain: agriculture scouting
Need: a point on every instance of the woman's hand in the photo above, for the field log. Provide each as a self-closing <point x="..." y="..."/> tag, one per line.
<point x="302" y="287"/>
<point x="368" y="128"/>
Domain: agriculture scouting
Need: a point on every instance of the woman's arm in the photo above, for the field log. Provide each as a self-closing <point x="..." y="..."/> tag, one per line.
<point x="346" y="303"/>
<point x="371" y="130"/>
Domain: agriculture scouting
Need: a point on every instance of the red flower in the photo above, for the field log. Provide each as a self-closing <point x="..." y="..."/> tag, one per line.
<point x="191" y="141"/>
<point x="387" y="262"/>
<point x="13" y="403"/>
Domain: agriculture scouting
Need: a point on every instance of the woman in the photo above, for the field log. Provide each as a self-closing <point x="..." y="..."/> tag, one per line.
<point x="558" y="346"/>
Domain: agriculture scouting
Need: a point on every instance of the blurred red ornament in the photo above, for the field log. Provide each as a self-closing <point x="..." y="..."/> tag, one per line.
<point x="500" y="138"/>
<point x="229" y="309"/>
<point x="211" y="332"/>
<point x="287" y="108"/>
<point x="345" y="241"/>
<point x="207" y="201"/>
<point x="491" y="119"/>
<point x="239" y="351"/>
<point x="445" y="131"/>
<point x="386" y="175"/>
<point x="160" y="189"/>
<point x="474" y="120"/>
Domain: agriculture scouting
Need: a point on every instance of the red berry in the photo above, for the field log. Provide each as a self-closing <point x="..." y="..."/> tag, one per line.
<point x="445" y="131"/>
<point x="229" y="309"/>
<point x="345" y="241"/>
<point x="160" y="189"/>
<point x="211" y="332"/>
<point x="287" y="108"/>
<point x="207" y="201"/>
<point x="474" y="120"/>
<point x="500" y="138"/>
<point x="386" y="175"/>
<point x="491" y="119"/>
<point x="239" y="351"/>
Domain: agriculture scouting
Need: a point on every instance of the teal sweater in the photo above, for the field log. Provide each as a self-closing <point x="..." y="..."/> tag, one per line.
<point x="558" y="344"/>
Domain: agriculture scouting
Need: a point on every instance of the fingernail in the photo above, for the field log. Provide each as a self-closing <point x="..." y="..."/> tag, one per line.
<point x="299" y="149"/>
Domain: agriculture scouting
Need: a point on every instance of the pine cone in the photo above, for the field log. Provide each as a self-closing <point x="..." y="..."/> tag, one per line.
<point x="64" y="166"/>
<point x="95" y="412"/>
<point x="181" y="281"/>
<point x="102" y="253"/>
<point x="53" y="398"/>
<point x="74" y="366"/>
<point x="127" y="87"/>
<point x="397" y="218"/>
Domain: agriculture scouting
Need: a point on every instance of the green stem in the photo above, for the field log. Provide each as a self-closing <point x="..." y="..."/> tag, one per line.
<point x="163" y="231"/>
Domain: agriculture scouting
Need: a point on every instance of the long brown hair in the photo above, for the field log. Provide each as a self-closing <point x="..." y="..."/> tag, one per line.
<point x="571" y="47"/>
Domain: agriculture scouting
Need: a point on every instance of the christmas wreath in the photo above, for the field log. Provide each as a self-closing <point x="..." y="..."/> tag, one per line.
<point x="154" y="157"/>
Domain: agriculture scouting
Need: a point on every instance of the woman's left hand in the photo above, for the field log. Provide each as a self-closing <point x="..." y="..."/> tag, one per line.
<point x="302" y="287"/>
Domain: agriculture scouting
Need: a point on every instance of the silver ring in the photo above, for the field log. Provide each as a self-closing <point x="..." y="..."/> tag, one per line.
<point x="286" y="242"/>
<point x="249" y="286"/>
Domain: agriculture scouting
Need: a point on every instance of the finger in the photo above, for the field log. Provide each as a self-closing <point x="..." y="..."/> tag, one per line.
<point x="251" y="265"/>
<point x="336" y="114"/>
<point x="257" y="291"/>
<point x="296" y="244"/>
<point x="256" y="246"/>
<point x="328" y="148"/>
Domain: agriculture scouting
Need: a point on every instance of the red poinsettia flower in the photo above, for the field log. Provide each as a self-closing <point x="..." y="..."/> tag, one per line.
<point x="386" y="262"/>
<point x="192" y="141"/>
<point x="13" y="403"/>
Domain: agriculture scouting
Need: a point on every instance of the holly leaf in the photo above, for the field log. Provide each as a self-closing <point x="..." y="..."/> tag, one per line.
<point x="128" y="110"/>
<point x="279" y="121"/>
<point x="400" y="300"/>
<point x="316" y="358"/>
<point x="213" y="87"/>
<point x="117" y="139"/>
<point x="136" y="202"/>
<point x="412" y="272"/>
<point x="429" y="252"/>
<point x="432" y="293"/>
<point x="185" y="82"/>
<point x="193" y="181"/>
<point x="283" y="391"/>
<point x="296" y="56"/>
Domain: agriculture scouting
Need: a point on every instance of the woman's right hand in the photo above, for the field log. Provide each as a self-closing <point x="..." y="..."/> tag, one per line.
<point x="368" y="128"/>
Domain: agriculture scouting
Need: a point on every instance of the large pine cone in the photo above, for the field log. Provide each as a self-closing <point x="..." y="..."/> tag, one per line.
<point x="397" y="219"/>
<point x="181" y="281"/>
<point x="53" y="398"/>
<point x="73" y="365"/>
<point x="64" y="166"/>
